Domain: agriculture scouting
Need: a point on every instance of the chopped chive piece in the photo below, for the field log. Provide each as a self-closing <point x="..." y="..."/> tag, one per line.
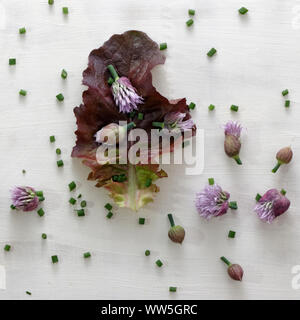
<point x="192" y="12"/>
<point x="22" y="30"/>
<point x="54" y="259"/>
<point x="39" y="193"/>
<point x="44" y="236"/>
<point x="158" y="263"/>
<point x="231" y="234"/>
<point x="79" y="196"/>
<point x="80" y="212"/>
<point x="132" y="114"/>
<point x="13" y="207"/>
<point x="158" y="124"/>
<point x="141" y="220"/>
<point x="233" y="205"/>
<point x="72" y="201"/>
<point x="83" y="204"/>
<point x="108" y="206"/>
<point x="24" y="171"/>
<point x="211" y="52"/>
<point x="41" y="212"/>
<point x="258" y="197"/>
<point x="172" y="289"/>
<point x="226" y="261"/>
<point x="41" y="199"/>
<point x="7" y="247"/>
<point x="65" y="10"/>
<point x="87" y="255"/>
<point x="72" y="186"/>
<point x="189" y="22"/>
<point x="12" y="61"/>
<point x="147" y="253"/>
<point x="64" y="74"/>
<point x="110" y="81"/>
<point x="211" y="107"/>
<point x="163" y="46"/>
<point x="192" y="106"/>
<point x="148" y="182"/>
<point x="60" y="97"/>
<point x="50" y="2"/>
<point x="28" y="292"/>
<point x="52" y="138"/>
<point x="109" y="215"/>
<point x="285" y="92"/>
<point x="140" y="116"/>
<point x="287" y="103"/>
<point x="234" y="108"/>
<point x="283" y="192"/>
<point x="60" y="163"/>
<point x="58" y="151"/>
<point x="211" y="181"/>
<point x="243" y="10"/>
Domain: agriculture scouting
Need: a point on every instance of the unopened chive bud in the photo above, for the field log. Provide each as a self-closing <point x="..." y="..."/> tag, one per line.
<point x="211" y="52"/>
<point x="176" y="233"/>
<point x="283" y="156"/>
<point x="163" y="46"/>
<point x="190" y="22"/>
<point x="235" y="271"/>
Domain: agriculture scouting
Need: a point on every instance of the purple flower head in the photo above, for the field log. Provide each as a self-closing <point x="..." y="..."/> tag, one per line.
<point x="233" y="128"/>
<point x="212" y="201"/>
<point x="271" y="205"/>
<point x="174" y="120"/>
<point x="24" y="198"/>
<point x="125" y="95"/>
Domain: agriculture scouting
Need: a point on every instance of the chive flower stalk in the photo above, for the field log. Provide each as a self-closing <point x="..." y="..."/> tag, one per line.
<point x="235" y="271"/>
<point x="212" y="201"/>
<point x="125" y="95"/>
<point x="24" y="198"/>
<point x="176" y="233"/>
<point x="271" y="205"/>
<point x="174" y="121"/>
<point x="283" y="156"/>
<point x="232" y="143"/>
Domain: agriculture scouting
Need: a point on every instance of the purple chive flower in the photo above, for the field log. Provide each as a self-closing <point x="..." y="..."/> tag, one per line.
<point x="212" y="201"/>
<point x="232" y="144"/>
<point x="271" y="205"/>
<point x="24" y="198"/>
<point x="233" y="128"/>
<point x="125" y="95"/>
<point x="174" y="120"/>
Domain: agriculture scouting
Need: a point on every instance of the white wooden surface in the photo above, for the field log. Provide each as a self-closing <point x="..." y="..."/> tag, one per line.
<point x="258" y="57"/>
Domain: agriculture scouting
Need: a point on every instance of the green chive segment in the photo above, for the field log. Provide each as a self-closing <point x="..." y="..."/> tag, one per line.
<point x="234" y="108"/>
<point x="211" y="107"/>
<point x="50" y="2"/>
<point x="22" y="92"/>
<point x="52" y="139"/>
<point x="60" y="97"/>
<point x="243" y="10"/>
<point x="283" y="192"/>
<point x="64" y="74"/>
<point x="108" y="206"/>
<point x="28" y="292"/>
<point x="7" y="247"/>
<point x="172" y="289"/>
<point x="44" y="236"/>
<point x="72" y="186"/>
<point x="58" y="151"/>
<point x="287" y="103"/>
<point x="41" y="212"/>
<point x="109" y="215"/>
<point x="12" y="61"/>
<point x="147" y="253"/>
<point x="212" y="52"/>
<point x="65" y="10"/>
<point x="83" y="204"/>
<point x="87" y="255"/>
<point x="163" y="46"/>
<point x="141" y="220"/>
<point x="158" y="124"/>
<point x="258" y="197"/>
<point x="231" y="234"/>
<point x="159" y="263"/>
<point x="72" y="201"/>
<point x="233" y="205"/>
<point x="54" y="259"/>
<point x="211" y="181"/>
<point x="60" y="163"/>
<point x="285" y="92"/>
<point x="80" y="213"/>
<point x="192" y="106"/>
<point x="192" y="12"/>
<point x="140" y="116"/>
<point x="190" y="22"/>
<point x="22" y="30"/>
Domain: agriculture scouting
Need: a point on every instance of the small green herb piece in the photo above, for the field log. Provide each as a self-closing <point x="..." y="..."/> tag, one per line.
<point x="211" y="52"/>
<point x="58" y="151"/>
<point x="159" y="263"/>
<point x="72" y="201"/>
<point x="258" y="197"/>
<point x="22" y="30"/>
<point x="60" y="163"/>
<point x="132" y="114"/>
<point x="52" y="139"/>
<point x="83" y="204"/>
<point x="211" y="107"/>
<point x="23" y="171"/>
<point x="283" y="192"/>
<point x="192" y="106"/>
<point x="60" y="97"/>
<point x="79" y="196"/>
<point x="211" y="181"/>
<point x="54" y="259"/>
<point x="141" y="220"/>
<point x="192" y="12"/>
<point x="80" y="213"/>
<point x="234" y="108"/>
<point x="233" y="205"/>
<point x="285" y="92"/>
<point x="243" y="10"/>
<point x="64" y="74"/>
<point x="7" y="247"/>
<point x="41" y="212"/>
<point x="50" y="2"/>
<point x="65" y="10"/>
<point x="140" y="116"/>
<point x="44" y="236"/>
<point x="72" y="186"/>
<point x="148" y="182"/>
<point x="287" y="103"/>
<point x="163" y="46"/>
<point x="12" y="207"/>
<point x="109" y="215"/>
<point x="28" y="292"/>
<point x="158" y="124"/>
<point x="190" y="22"/>
<point x="12" y="61"/>
<point x="110" y="81"/>
<point x="231" y="234"/>
<point x="39" y="193"/>
<point x="172" y="289"/>
<point x="147" y="253"/>
<point x="41" y="199"/>
<point x="108" y="206"/>
<point x="87" y="255"/>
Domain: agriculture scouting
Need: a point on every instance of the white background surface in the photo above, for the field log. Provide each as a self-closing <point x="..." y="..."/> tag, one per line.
<point x="258" y="57"/>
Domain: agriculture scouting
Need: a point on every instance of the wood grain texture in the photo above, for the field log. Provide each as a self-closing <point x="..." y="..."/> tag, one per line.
<point x="258" y="57"/>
